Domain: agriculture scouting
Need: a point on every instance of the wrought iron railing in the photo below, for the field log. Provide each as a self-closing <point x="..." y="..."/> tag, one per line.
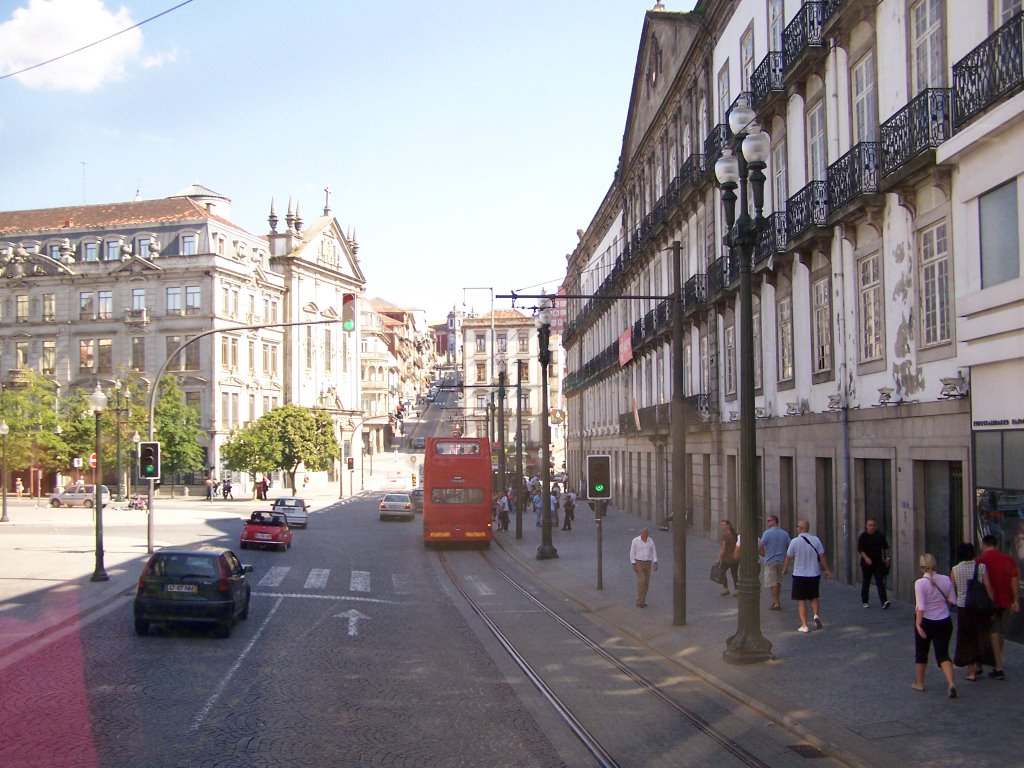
<point x="695" y="291"/>
<point x="692" y="171"/>
<point x="663" y="316"/>
<point x="717" y="276"/>
<point x="803" y="32"/>
<point x="922" y="124"/>
<point x="772" y="237"/>
<point x="807" y="208"/>
<point x="988" y="73"/>
<point x="854" y="174"/>
<point x="713" y="144"/>
<point x="767" y="79"/>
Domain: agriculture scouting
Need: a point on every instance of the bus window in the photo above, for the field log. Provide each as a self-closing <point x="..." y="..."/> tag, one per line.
<point x="457" y="495"/>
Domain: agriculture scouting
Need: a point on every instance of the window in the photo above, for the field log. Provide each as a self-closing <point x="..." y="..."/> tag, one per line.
<point x="777" y="25"/>
<point x="746" y="59"/>
<point x="86" y="355"/>
<point x="702" y="122"/>
<point x="112" y="250"/>
<point x="174" y="301"/>
<point x="90" y="252"/>
<point x="687" y="371"/>
<point x="502" y="343"/>
<point x="780" y="183"/>
<point x="730" y="360"/>
<point x="105" y="305"/>
<point x="865" y="106"/>
<point x="822" y="329"/>
<point x="756" y="315"/>
<point x="105" y="356"/>
<point x="138" y="298"/>
<point x="526" y="370"/>
<point x="784" y="309"/>
<point x="21" y="308"/>
<point x="935" y="287"/>
<point x="171" y="344"/>
<point x="191" y="355"/>
<point x="816" y="161"/>
<point x="481" y="373"/>
<point x="21" y="354"/>
<point x="869" y="288"/>
<point x="1006" y="10"/>
<point x="193" y="300"/>
<point x="481" y="402"/>
<point x="723" y="91"/>
<point x="86" y="309"/>
<point x="251" y="347"/>
<point x="138" y="362"/>
<point x="48" y="363"/>
<point x="927" y="52"/>
<point x="1000" y="247"/>
<point x="328" y="350"/>
<point x="142" y="247"/>
<point x="524" y="342"/>
<point x="220" y="245"/>
<point x="309" y="346"/>
<point x="270" y="359"/>
<point x="192" y="400"/>
<point x="49" y="307"/>
<point x="229" y="352"/>
<point x="189" y="244"/>
<point x="225" y="410"/>
<point x="481" y="342"/>
<point x="54" y="252"/>
<point x="705" y="366"/>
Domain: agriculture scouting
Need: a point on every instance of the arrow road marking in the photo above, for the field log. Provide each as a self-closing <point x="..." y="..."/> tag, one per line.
<point x="353" y="617"/>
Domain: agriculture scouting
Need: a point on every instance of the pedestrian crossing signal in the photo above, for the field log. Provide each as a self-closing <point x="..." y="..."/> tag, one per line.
<point x="599" y="477"/>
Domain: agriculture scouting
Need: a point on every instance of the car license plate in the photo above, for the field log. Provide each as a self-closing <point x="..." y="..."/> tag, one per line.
<point x="263" y="536"/>
<point x="182" y="588"/>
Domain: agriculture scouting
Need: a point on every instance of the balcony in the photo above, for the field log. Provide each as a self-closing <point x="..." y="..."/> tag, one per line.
<point x="713" y="144"/>
<point x="853" y="176"/>
<point x="802" y="41"/>
<point x="841" y="16"/>
<point x="766" y="82"/>
<point x="722" y="273"/>
<point x="772" y="238"/>
<point x="654" y="419"/>
<point x="691" y="175"/>
<point x="990" y="73"/>
<point x="138" y="316"/>
<point x="805" y="211"/>
<point x="695" y="293"/>
<point x="910" y="137"/>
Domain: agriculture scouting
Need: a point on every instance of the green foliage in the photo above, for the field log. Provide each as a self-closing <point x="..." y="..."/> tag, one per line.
<point x="176" y="425"/>
<point x="285" y="438"/>
<point x="30" y="408"/>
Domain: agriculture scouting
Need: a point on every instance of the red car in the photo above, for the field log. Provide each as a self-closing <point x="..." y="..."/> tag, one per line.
<point x="267" y="529"/>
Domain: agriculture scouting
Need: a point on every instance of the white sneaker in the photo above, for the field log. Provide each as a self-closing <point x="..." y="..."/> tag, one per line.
<point x="817" y="623"/>
<point x="863" y="605"/>
<point x="803" y="629"/>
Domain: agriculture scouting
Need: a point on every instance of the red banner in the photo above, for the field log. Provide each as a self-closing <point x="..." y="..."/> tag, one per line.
<point x="625" y="346"/>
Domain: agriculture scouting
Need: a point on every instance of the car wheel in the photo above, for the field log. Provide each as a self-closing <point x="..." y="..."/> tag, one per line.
<point x="223" y="629"/>
<point x="242" y="545"/>
<point x="141" y="627"/>
<point x="54" y="502"/>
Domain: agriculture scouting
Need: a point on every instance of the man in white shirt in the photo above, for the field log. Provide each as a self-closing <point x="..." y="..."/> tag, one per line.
<point x="806" y="554"/>
<point x="643" y="557"/>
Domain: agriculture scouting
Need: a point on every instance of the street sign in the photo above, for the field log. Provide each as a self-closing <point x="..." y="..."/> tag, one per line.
<point x="77" y="462"/>
<point x="92" y="460"/>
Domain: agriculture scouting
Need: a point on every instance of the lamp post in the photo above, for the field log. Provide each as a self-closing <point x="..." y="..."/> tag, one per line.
<point x="502" y="451"/>
<point x="98" y="402"/>
<point x="546" y="550"/>
<point x="4" y="429"/>
<point x="520" y="494"/>
<point x="748" y="645"/>
<point x="136" y="439"/>
<point x="118" y="410"/>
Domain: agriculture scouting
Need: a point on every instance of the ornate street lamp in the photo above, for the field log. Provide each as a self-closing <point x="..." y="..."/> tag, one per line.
<point x="98" y="402"/>
<point x="502" y="450"/>
<point x="4" y="429"/>
<point x="118" y="411"/>
<point x="546" y="550"/>
<point x="748" y="645"/>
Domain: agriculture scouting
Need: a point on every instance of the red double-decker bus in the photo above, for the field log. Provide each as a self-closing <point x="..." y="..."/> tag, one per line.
<point x="457" y="504"/>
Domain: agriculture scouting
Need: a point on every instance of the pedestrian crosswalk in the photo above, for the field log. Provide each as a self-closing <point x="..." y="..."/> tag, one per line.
<point x="320" y="579"/>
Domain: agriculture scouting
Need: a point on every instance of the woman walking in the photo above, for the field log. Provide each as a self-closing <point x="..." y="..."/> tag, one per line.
<point x="932" y="624"/>
<point x="973" y="642"/>
<point x="727" y="557"/>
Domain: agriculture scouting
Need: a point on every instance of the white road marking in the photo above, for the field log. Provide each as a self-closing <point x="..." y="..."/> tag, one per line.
<point x="481" y="589"/>
<point x="309" y="596"/>
<point x="317" y="578"/>
<point x="359" y="581"/>
<point x="274" y="576"/>
<point x="402" y="583"/>
<point x="234" y="668"/>
<point x="353" y="617"/>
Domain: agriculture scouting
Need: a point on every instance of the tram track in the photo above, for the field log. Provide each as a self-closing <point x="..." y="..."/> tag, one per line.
<point x="586" y="736"/>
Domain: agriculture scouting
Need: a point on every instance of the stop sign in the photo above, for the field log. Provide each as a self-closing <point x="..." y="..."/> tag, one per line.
<point x="92" y="460"/>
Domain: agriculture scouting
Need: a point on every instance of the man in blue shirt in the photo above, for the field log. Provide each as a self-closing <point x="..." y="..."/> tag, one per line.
<point x="772" y="547"/>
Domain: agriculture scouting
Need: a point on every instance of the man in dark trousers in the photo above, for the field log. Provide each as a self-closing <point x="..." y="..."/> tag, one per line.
<point x="873" y="549"/>
<point x="1005" y="578"/>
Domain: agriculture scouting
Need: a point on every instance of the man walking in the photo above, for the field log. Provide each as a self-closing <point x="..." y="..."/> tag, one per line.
<point x="806" y="554"/>
<point x="873" y="549"/>
<point x="643" y="557"/>
<point x="772" y="547"/>
<point x="1005" y="578"/>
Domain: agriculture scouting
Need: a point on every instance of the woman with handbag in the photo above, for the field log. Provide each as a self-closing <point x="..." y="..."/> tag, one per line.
<point x="973" y="643"/>
<point x="727" y="557"/>
<point x="934" y="593"/>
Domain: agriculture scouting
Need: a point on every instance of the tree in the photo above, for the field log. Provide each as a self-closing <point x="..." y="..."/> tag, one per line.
<point x="176" y="426"/>
<point x="285" y="438"/>
<point x="29" y="406"/>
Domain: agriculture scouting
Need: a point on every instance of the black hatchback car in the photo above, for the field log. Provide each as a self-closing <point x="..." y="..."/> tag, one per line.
<point x="205" y="585"/>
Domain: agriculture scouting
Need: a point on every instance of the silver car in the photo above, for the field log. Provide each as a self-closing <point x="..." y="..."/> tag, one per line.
<point x="80" y="495"/>
<point x="294" y="508"/>
<point x="397" y="505"/>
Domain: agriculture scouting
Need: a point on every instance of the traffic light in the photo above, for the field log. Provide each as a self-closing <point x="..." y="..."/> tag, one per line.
<point x="348" y="312"/>
<point x="351" y="462"/>
<point x="149" y="461"/>
<point x="599" y="477"/>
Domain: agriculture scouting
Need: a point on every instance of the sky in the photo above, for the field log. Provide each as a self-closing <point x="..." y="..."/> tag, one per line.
<point x="464" y="143"/>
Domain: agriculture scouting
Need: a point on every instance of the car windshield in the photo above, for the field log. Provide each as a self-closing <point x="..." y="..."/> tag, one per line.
<point x="396" y="497"/>
<point x="288" y="503"/>
<point x="184" y="566"/>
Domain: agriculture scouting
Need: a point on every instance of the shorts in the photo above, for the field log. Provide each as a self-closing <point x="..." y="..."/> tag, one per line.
<point x="1001" y="621"/>
<point x="772" y="574"/>
<point x="805" y="587"/>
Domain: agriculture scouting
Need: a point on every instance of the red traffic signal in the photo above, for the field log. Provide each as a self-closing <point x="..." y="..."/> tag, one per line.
<point x="351" y="463"/>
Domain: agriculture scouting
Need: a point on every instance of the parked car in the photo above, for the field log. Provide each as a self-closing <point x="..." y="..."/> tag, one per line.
<point x="416" y="495"/>
<point x="419" y="443"/>
<point x="396" y="505"/>
<point x="80" y="495"/>
<point x="294" y="507"/>
<point x="207" y="585"/>
<point x="266" y="529"/>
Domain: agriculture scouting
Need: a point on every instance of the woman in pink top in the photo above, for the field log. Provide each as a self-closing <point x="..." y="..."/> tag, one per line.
<point x="934" y="593"/>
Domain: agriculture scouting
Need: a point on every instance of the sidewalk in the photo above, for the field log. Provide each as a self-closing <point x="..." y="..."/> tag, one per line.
<point x="845" y="688"/>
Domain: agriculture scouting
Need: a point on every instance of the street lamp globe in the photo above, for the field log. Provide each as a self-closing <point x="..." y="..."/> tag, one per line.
<point x="757" y="145"/>
<point x="4" y="429"/>
<point x="740" y="118"/>
<point x="98" y="400"/>
<point x="727" y="167"/>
